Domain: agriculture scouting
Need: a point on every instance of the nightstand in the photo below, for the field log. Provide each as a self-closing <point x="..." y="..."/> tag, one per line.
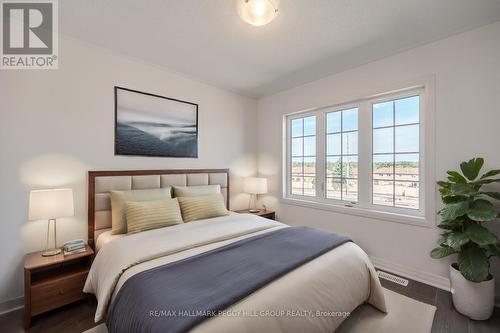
<point x="262" y="213"/>
<point x="51" y="282"/>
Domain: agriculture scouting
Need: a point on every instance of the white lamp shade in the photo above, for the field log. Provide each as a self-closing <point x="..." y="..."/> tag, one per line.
<point x="255" y="185"/>
<point x="51" y="204"/>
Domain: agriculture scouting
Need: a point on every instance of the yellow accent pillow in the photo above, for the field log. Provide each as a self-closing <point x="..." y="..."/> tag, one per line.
<point x="118" y="199"/>
<point x="197" y="208"/>
<point x="149" y="215"/>
<point x="196" y="191"/>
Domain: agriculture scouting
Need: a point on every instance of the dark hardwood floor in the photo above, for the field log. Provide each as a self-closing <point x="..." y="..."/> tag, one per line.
<point x="78" y="317"/>
<point x="446" y="320"/>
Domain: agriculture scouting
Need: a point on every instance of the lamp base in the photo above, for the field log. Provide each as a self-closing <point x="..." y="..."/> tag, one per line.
<point x="50" y="253"/>
<point x="254" y="210"/>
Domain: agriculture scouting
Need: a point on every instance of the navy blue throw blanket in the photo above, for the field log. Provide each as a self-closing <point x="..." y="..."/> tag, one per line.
<point x="176" y="297"/>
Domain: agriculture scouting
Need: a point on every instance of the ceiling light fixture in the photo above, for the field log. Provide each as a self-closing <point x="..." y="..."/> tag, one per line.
<point x="257" y="12"/>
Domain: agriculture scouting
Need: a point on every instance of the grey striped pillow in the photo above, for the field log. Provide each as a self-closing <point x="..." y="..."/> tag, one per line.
<point x="196" y="208"/>
<point x="149" y="215"/>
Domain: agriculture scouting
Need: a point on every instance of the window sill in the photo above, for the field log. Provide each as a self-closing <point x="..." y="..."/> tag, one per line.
<point x="419" y="221"/>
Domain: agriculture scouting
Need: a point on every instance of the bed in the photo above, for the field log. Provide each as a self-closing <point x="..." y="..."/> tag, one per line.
<point x="313" y="297"/>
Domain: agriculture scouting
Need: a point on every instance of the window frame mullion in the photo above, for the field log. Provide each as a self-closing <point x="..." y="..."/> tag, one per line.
<point x="364" y="154"/>
<point x="320" y="155"/>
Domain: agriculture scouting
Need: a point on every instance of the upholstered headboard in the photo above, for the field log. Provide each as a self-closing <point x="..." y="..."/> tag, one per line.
<point x="102" y="182"/>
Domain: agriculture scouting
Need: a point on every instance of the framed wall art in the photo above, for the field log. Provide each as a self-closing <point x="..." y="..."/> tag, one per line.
<point x="153" y="125"/>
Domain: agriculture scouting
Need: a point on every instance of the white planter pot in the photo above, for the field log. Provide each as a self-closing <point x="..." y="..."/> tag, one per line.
<point x="473" y="299"/>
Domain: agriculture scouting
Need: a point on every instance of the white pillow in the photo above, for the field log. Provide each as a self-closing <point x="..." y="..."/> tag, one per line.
<point x="196" y="191"/>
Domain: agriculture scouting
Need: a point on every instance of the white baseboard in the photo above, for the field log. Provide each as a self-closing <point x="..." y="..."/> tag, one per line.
<point x="424" y="277"/>
<point x="11" y="305"/>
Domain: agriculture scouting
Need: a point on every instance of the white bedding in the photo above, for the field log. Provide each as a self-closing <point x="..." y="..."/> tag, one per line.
<point x="106" y="237"/>
<point x="337" y="281"/>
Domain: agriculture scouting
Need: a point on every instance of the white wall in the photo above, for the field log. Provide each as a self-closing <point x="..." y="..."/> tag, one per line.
<point x="466" y="68"/>
<point x="56" y="125"/>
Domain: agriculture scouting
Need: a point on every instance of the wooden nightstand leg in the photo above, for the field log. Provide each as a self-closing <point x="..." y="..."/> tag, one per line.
<point x="27" y="322"/>
<point x="27" y="299"/>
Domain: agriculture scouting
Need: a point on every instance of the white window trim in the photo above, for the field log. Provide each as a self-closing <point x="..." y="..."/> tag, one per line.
<point x="425" y="216"/>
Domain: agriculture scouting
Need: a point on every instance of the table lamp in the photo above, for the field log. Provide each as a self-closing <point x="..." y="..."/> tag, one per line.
<point x="254" y="186"/>
<point x="50" y="205"/>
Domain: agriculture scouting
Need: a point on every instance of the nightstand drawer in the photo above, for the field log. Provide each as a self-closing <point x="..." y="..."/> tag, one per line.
<point x="52" y="294"/>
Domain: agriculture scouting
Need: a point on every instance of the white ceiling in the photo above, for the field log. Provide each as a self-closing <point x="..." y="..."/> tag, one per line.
<point x="309" y="39"/>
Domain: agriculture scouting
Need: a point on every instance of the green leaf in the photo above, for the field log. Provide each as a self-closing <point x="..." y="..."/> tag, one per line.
<point x="480" y="235"/>
<point x="452" y="211"/>
<point x="491" y="173"/>
<point x="444" y="188"/>
<point x="487" y="181"/>
<point x="443" y="238"/>
<point x="444" y="191"/>
<point x="471" y="168"/>
<point x="457" y="239"/>
<point x="448" y="199"/>
<point x="473" y="264"/>
<point x="443" y="184"/>
<point x="456" y="177"/>
<point x="494" y="195"/>
<point x="451" y="225"/>
<point x="492" y="250"/>
<point x="463" y="189"/>
<point x="482" y="210"/>
<point x="441" y="252"/>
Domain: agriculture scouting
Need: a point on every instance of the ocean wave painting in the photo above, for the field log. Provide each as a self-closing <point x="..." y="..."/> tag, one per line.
<point x="151" y="125"/>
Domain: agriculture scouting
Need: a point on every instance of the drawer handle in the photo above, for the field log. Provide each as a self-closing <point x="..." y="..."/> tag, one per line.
<point x="61" y="292"/>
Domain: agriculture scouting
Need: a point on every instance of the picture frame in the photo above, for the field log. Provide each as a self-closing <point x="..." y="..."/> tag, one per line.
<point x="152" y="125"/>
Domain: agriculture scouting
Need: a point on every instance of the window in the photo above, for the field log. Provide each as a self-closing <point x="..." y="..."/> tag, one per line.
<point x="396" y="153"/>
<point x="303" y="157"/>
<point x="342" y="155"/>
<point x="363" y="155"/>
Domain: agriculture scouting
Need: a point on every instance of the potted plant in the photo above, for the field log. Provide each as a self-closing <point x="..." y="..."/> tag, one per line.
<point x="466" y="209"/>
